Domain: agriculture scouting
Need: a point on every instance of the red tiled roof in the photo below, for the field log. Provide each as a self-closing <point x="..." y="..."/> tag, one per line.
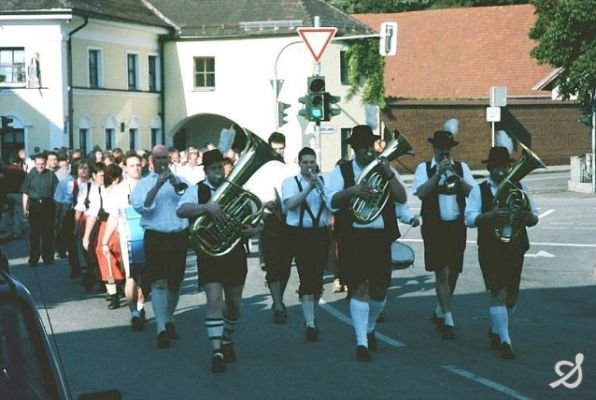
<point x="461" y="52"/>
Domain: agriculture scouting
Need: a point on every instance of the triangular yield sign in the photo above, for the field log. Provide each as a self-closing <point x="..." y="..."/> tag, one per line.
<point x="317" y="39"/>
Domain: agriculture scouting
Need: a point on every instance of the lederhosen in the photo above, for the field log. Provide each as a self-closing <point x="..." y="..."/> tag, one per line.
<point x="501" y="263"/>
<point x="310" y="246"/>
<point x="229" y="269"/>
<point x="444" y="241"/>
<point x="364" y="254"/>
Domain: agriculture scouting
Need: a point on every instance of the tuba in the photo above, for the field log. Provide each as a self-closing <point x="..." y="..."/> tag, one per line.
<point x="365" y="212"/>
<point x="510" y="195"/>
<point x="242" y="207"/>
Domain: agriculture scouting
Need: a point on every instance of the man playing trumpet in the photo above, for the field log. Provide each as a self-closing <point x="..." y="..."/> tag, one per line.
<point x="443" y="185"/>
<point x="364" y="249"/>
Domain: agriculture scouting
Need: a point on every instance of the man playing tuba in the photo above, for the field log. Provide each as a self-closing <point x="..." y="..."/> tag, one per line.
<point x="364" y="249"/>
<point x="501" y="262"/>
<point x="222" y="277"/>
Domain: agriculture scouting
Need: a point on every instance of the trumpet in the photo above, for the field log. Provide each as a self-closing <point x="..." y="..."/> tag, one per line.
<point x="179" y="186"/>
<point x="452" y="180"/>
<point x="317" y="183"/>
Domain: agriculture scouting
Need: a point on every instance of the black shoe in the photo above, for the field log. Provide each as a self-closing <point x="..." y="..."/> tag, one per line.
<point x="62" y="255"/>
<point x="228" y="352"/>
<point x="494" y="340"/>
<point x="362" y="354"/>
<point x="506" y="351"/>
<point x="33" y="263"/>
<point x="311" y="334"/>
<point x="372" y="341"/>
<point x="438" y="321"/>
<point x="218" y="365"/>
<point x="48" y="262"/>
<point x="114" y="302"/>
<point x="280" y="316"/>
<point x="448" y="332"/>
<point x="142" y="312"/>
<point x="136" y="324"/>
<point x="162" y="340"/>
<point x="171" y="331"/>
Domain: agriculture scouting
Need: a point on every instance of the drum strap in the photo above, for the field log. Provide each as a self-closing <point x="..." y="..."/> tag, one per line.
<point x="304" y="207"/>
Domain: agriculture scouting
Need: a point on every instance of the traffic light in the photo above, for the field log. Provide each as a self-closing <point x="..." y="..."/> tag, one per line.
<point x="281" y="113"/>
<point x="329" y="110"/>
<point x="314" y="99"/>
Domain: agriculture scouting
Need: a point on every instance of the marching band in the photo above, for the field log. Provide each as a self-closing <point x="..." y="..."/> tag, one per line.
<point x="133" y="230"/>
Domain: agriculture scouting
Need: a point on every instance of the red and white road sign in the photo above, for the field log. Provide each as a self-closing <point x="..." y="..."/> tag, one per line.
<point x="317" y="39"/>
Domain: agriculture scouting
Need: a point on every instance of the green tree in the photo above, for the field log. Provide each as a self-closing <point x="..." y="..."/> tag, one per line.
<point x="566" y="32"/>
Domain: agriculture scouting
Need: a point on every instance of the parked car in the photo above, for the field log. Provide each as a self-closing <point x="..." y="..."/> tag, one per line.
<point x="29" y="369"/>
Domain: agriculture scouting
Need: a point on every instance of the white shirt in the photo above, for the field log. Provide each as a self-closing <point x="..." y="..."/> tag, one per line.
<point x="335" y="184"/>
<point x="448" y="207"/>
<point x="313" y="200"/>
<point x="474" y="203"/>
<point x="82" y="196"/>
<point x="192" y="174"/>
<point x="266" y="182"/>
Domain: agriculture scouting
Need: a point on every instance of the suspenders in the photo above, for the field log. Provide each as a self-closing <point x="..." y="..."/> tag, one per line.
<point x="304" y="207"/>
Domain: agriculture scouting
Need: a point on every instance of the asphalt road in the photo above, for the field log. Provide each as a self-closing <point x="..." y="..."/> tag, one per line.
<point x="555" y="320"/>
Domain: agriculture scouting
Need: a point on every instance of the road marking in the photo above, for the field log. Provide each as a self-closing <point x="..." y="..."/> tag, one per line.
<point x="541" y="253"/>
<point x="486" y="382"/>
<point x="532" y="243"/>
<point x="547" y="212"/>
<point x="18" y="261"/>
<point x="333" y="311"/>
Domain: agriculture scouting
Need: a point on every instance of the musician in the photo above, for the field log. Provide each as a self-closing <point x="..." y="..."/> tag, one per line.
<point x="308" y="220"/>
<point x="364" y="250"/>
<point x="117" y="228"/>
<point x="501" y="263"/>
<point x="266" y="184"/>
<point x="221" y="277"/>
<point x="165" y="241"/>
<point x="443" y="227"/>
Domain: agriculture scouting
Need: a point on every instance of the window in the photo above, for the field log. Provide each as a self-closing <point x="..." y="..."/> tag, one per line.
<point x="110" y="138"/>
<point x="11" y="142"/>
<point x="157" y="137"/>
<point x="204" y="72"/>
<point x="133" y="138"/>
<point x="83" y="134"/>
<point x="133" y="71"/>
<point x="153" y="62"/>
<point x="344" y="68"/>
<point x="12" y="66"/>
<point x="95" y="68"/>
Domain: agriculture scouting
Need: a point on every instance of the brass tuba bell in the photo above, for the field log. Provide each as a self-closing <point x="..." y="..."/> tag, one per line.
<point x="364" y="212"/>
<point x="242" y="207"/>
<point x="510" y="195"/>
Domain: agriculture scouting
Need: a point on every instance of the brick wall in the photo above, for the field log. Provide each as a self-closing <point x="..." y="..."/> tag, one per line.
<point x="552" y="130"/>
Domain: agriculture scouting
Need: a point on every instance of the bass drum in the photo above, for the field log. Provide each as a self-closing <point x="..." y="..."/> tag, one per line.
<point x="133" y="252"/>
<point x="402" y="256"/>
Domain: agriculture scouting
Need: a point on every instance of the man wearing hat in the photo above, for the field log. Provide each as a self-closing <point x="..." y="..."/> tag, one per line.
<point x="364" y="250"/>
<point x="501" y="263"/>
<point x="222" y="277"/>
<point x="165" y="240"/>
<point x="442" y="185"/>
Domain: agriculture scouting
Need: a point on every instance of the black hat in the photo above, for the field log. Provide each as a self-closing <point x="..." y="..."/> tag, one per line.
<point x="362" y="135"/>
<point x="211" y="157"/>
<point x="442" y="139"/>
<point x="498" y="155"/>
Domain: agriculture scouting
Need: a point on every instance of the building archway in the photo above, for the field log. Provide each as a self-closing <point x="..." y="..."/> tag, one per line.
<point x="200" y="130"/>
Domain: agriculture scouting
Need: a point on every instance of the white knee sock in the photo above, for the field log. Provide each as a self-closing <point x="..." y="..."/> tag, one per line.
<point x="449" y="319"/>
<point x="359" y="311"/>
<point x="500" y="320"/>
<point x="375" y="309"/>
<point x="215" y="327"/>
<point x="308" y="310"/>
<point x="439" y="311"/>
<point x="159" y="301"/>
